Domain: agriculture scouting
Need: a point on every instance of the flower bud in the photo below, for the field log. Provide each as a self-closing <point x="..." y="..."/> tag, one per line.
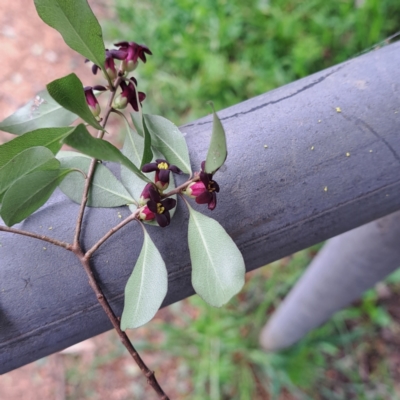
<point x="145" y="196"/>
<point x="195" y="189"/>
<point x="146" y="215"/>
<point x="120" y="102"/>
<point x="92" y="101"/>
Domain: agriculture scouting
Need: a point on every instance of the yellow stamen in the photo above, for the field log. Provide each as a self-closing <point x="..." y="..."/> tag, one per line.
<point x="162" y="165"/>
<point x="160" y="208"/>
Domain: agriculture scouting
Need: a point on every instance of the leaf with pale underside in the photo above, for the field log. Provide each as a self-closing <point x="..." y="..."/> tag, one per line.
<point x="24" y="163"/>
<point x="146" y="287"/>
<point x="105" y="190"/>
<point x="218" y="267"/>
<point x="168" y="139"/>
<point x="80" y="139"/>
<point x="29" y="193"/>
<point x="77" y="25"/>
<point x="68" y="92"/>
<point x="41" y="112"/>
<point x="217" y="151"/>
<point x="133" y="148"/>
<point x="47" y="137"/>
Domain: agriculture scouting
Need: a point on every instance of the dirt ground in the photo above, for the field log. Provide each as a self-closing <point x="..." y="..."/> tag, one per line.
<point x="33" y="54"/>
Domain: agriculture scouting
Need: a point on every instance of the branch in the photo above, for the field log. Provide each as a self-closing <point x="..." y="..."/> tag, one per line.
<point x="111" y="232"/>
<point x="151" y="379"/>
<point x="92" y="166"/>
<point x="45" y="238"/>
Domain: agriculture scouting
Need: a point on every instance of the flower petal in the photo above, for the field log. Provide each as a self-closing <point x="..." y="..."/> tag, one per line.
<point x="163" y="219"/>
<point x="213" y="203"/>
<point x="204" y="198"/>
<point x="174" y="169"/>
<point x="163" y="175"/>
<point x="150" y="167"/>
<point x="169" y="204"/>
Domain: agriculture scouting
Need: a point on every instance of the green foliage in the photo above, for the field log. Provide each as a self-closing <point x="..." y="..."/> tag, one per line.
<point x="217" y="265"/>
<point x="168" y="139"/>
<point x="68" y="92"/>
<point x="105" y="191"/>
<point x="47" y="137"/>
<point x="29" y="193"/>
<point x="29" y="160"/>
<point x="217" y="151"/>
<point x="41" y="112"/>
<point x="77" y="24"/>
<point x="220" y="352"/>
<point x="80" y="139"/>
<point x="146" y="287"/>
<point x="229" y="51"/>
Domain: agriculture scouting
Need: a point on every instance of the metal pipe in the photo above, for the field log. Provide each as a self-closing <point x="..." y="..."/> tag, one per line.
<point x="346" y="266"/>
<point x="306" y="162"/>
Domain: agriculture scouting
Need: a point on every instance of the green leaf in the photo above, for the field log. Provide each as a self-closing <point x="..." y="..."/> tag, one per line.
<point x="105" y="190"/>
<point x="217" y="151"/>
<point x="29" y="193"/>
<point x="133" y="148"/>
<point x="141" y="129"/>
<point x="146" y="287"/>
<point x="29" y="160"/>
<point x="140" y="126"/>
<point x="168" y="139"/>
<point x="47" y="137"/>
<point x="41" y="112"/>
<point x="68" y="92"/>
<point x="80" y="139"/>
<point x="217" y="265"/>
<point x="77" y="24"/>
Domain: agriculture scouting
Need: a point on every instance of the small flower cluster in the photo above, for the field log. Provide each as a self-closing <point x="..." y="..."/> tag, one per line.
<point x="129" y="54"/>
<point x="205" y="190"/>
<point x="155" y="207"/>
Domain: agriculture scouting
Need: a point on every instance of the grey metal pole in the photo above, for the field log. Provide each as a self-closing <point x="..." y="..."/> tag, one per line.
<point x="345" y="267"/>
<point x="306" y="162"/>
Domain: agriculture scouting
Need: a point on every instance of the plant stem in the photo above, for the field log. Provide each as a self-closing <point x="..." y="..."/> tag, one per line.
<point x="45" y="238"/>
<point x="179" y="188"/>
<point x="85" y="258"/>
<point x="116" y="228"/>
<point x="92" y="166"/>
<point x="151" y="379"/>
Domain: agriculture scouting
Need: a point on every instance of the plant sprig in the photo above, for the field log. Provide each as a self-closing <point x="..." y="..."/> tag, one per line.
<point x="153" y="150"/>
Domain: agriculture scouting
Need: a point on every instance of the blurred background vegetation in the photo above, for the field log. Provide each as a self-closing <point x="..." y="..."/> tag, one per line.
<point x="228" y="51"/>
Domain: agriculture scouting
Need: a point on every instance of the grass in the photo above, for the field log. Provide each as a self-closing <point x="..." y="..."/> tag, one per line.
<point x="220" y="352"/>
<point x="229" y="51"/>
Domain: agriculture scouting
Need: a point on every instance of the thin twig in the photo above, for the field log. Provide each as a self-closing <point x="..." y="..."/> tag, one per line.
<point x="179" y="188"/>
<point x="151" y="379"/>
<point x="85" y="259"/>
<point x="92" y="166"/>
<point x="45" y="238"/>
<point x="111" y="232"/>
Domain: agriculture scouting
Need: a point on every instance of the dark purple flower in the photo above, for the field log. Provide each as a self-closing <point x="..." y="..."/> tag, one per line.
<point x="92" y="101"/>
<point x="133" y="52"/>
<point x="145" y="195"/>
<point x="160" y="208"/>
<point x="128" y="95"/>
<point x="162" y="169"/>
<point x="109" y="63"/>
<point x="209" y="196"/>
